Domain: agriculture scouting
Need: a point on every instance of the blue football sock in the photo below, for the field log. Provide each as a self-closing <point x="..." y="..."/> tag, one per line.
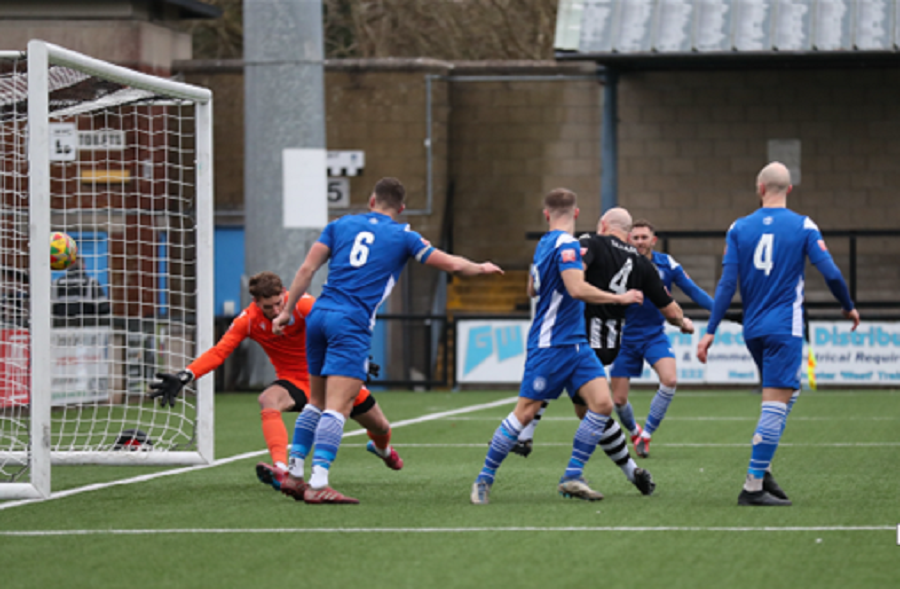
<point x="766" y="437"/>
<point x="790" y="406"/>
<point x="304" y="432"/>
<point x="658" y="408"/>
<point x="505" y="437"/>
<point x="586" y="438"/>
<point x="327" y="442"/>
<point x="626" y="416"/>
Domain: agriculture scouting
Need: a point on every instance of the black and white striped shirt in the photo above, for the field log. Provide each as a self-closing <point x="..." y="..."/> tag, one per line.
<point x="615" y="266"/>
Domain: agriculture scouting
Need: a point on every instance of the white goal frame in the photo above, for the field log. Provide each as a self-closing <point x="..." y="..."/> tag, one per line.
<point x="40" y="456"/>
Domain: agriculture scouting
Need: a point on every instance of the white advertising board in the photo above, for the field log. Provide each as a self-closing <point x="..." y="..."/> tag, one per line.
<point x="81" y="364"/>
<point x="491" y="351"/>
<point x="868" y="356"/>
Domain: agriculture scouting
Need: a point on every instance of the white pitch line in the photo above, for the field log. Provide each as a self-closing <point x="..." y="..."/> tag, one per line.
<point x="703" y="418"/>
<point x="230" y="459"/>
<point x="661" y="444"/>
<point x="44" y="533"/>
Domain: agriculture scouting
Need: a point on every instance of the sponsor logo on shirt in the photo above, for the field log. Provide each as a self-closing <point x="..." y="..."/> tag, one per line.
<point x="567" y="255"/>
<point x="767" y="221"/>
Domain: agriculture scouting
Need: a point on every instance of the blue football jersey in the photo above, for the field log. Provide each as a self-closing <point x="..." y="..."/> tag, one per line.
<point x="770" y="248"/>
<point x="558" y="318"/>
<point x="644" y="321"/>
<point x="368" y="252"/>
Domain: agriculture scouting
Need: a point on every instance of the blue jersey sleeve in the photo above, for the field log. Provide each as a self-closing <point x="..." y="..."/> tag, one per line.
<point x="418" y="247"/>
<point x="568" y="256"/>
<point x="731" y="251"/>
<point x="815" y="245"/>
<point x="327" y="237"/>
<point x="690" y="288"/>
<point x="835" y="282"/>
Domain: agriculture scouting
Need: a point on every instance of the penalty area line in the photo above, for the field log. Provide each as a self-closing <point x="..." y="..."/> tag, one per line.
<point x="45" y="533"/>
<point x="245" y="455"/>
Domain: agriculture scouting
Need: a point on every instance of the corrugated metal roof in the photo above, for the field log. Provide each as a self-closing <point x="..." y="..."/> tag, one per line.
<point x="647" y="28"/>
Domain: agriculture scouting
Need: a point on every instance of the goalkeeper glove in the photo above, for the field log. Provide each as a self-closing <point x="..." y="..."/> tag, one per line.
<point x="171" y="384"/>
<point x="374" y="370"/>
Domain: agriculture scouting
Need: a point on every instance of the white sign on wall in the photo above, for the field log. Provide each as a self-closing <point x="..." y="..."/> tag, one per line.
<point x="304" y="189"/>
<point x="491" y="351"/>
<point x="338" y="193"/>
<point x="80" y="364"/>
<point x="63" y="142"/>
<point x="101" y="140"/>
<point x="869" y="355"/>
<point x="346" y="163"/>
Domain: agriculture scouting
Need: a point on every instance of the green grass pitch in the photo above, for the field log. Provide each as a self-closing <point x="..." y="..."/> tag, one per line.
<point x="219" y="527"/>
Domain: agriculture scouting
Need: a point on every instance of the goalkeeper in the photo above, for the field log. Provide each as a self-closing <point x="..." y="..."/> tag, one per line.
<point x="290" y="392"/>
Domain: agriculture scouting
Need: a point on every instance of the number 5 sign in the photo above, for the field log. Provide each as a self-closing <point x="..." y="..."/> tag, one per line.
<point x="63" y="142"/>
<point x="338" y="193"/>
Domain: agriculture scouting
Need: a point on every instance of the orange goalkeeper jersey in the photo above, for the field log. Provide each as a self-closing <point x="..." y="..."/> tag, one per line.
<point x="286" y="352"/>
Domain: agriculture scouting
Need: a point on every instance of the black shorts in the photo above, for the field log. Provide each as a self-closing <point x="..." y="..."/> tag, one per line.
<point x="297" y="394"/>
<point x="301" y="399"/>
<point x="606" y="355"/>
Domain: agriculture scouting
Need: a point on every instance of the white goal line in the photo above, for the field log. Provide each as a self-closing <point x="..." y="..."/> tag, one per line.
<point x="530" y="529"/>
<point x="237" y="457"/>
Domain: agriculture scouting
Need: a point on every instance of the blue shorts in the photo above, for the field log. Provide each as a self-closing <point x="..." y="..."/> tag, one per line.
<point x="336" y="345"/>
<point x="778" y="358"/>
<point x="550" y="370"/>
<point x="630" y="361"/>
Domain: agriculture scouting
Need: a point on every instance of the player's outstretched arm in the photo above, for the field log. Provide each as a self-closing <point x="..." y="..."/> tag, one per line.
<point x="580" y="289"/>
<point x="316" y="257"/>
<point x="459" y="265"/>
<point x="690" y="288"/>
<point x="674" y="314"/>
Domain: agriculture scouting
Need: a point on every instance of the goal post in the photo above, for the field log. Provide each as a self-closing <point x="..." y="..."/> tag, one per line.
<point x="122" y="162"/>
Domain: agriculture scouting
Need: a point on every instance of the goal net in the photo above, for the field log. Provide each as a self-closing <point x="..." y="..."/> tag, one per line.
<point x="121" y="162"/>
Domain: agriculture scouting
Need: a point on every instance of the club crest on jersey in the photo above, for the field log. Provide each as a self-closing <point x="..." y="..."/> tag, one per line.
<point x="567" y="256"/>
<point x="539" y="384"/>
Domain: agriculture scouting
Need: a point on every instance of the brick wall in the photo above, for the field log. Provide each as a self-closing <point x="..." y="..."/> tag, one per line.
<point x="513" y="141"/>
<point x="691" y="144"/>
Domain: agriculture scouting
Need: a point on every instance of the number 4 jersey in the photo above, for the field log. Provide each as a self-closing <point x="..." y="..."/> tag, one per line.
<point x="770" y="248"/>
<point x="368" y="252"/>
<point x="615" y="266"/>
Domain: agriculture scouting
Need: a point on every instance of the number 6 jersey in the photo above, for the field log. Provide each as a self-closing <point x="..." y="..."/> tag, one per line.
<point x="368" y="252"/>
